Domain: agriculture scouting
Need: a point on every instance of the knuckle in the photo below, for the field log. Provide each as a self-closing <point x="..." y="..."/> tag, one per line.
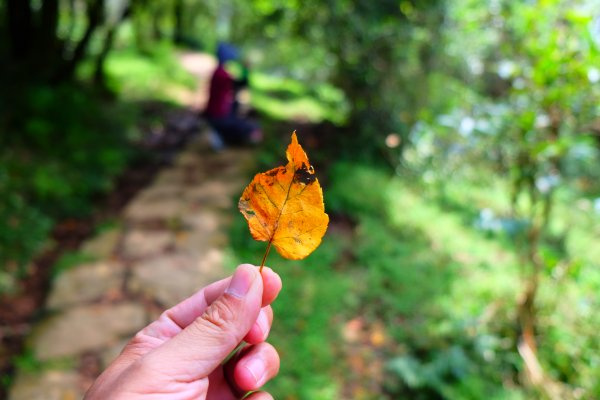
<point x="139" y="338"/>
<point x="220" y="315"/>
<point x="139" y="345"/>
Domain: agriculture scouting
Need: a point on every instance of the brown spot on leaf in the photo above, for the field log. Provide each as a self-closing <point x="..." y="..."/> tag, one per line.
<point x="305" y="175"/>
<point x="275" y="171"/>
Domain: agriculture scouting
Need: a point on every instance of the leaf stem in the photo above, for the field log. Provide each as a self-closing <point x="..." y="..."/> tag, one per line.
<point x="262" y="263"/>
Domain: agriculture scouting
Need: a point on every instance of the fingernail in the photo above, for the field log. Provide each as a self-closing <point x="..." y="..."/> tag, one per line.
<point x="257" y="368"/>
<point x="240" y="282"/>
<point x="263" y="323"/>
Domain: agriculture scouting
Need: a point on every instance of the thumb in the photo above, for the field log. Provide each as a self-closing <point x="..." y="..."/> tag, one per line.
<point x="202" y="346"/>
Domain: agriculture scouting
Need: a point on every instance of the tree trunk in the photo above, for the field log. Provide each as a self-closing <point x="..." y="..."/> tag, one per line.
<point x="49" y="22"/>
<point x="99" y="71"/>
<point x="156" y="31"/>
<point x="20" y="28"/>
<point x="94" y="13"/>
<point x="178" y="14"/>
<point x="46" y="45"/>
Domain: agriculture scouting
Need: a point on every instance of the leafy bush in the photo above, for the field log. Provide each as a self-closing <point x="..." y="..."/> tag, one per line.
<point x="22" y="234"/>
<point x="156" y="74"/>
<point x="65" y="148"/>
<point x="62" y="149"/>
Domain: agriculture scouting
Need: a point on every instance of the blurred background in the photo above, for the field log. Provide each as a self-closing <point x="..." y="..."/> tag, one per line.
<point x="457" y="142"/>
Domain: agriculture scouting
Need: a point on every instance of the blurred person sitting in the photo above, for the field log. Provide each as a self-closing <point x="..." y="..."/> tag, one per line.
<point x="222" y="110"/>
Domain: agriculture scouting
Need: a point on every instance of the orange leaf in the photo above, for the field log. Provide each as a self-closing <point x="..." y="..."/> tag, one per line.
<point x="284" y="206"/>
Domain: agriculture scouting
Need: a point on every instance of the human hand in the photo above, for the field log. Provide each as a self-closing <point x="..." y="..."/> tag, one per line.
<point x="180" y="356"/>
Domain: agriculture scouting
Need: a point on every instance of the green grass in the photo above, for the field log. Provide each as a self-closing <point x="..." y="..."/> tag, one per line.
<point x="70" y="260"/>
<point x="445" y="291"/>
<point x="281" y="98"/>
<point x="142" y="76"/>
<point x="432" y="280"/>
<point x="28" y="363"/>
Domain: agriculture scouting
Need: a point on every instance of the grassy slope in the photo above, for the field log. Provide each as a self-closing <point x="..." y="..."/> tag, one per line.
<point x="445" y="291"/>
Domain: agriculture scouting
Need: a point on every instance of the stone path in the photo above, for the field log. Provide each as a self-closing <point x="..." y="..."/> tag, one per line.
<point x="169" y="243"/>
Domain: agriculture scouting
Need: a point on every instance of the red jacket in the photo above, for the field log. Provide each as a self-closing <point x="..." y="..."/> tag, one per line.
<point x="221" y="95"/>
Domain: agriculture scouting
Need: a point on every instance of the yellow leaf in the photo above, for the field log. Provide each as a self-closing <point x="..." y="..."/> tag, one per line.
<point x="284" y="206"/>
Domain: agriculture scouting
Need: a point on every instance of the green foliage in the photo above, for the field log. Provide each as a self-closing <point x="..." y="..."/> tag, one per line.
<point x="69" y="260"/>
<point x="155" y="73"/>
<point x="338" y="199"/>
<point x="442" y="286"/>
<point x="287" y="99"/>
<point x="521" y="128"/>
<point x="377" y="54"/>
<point x="62" y="148"/>
<point x="28" y="363"/>
<point x="430" y="299"/>
<point x="67" y="160"/>
<point x="22" y="234"/>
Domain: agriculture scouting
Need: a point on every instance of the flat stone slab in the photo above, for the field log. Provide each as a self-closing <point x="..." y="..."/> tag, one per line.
<point x="141" y="209"/>
<point x="86" y="328"/>
<point x="103" y="245"/>
<point x="222" y="169"/>
<point x="197" y="243"/>
<point x="159" y="192"/>
<point x="199" y="145"/>
<point x="177" y="176"/>
<point x="86" y="283"/>
<point x="47" y="385"/>
<point x="240" y="157"/>
<point x="172" y="278"/>
<point x="141" y="243"/>
<point x="204" y="229"/>
<point x="188" y="159"/>
<point x="213" y="194"/>
<point x="205" y="221"/>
